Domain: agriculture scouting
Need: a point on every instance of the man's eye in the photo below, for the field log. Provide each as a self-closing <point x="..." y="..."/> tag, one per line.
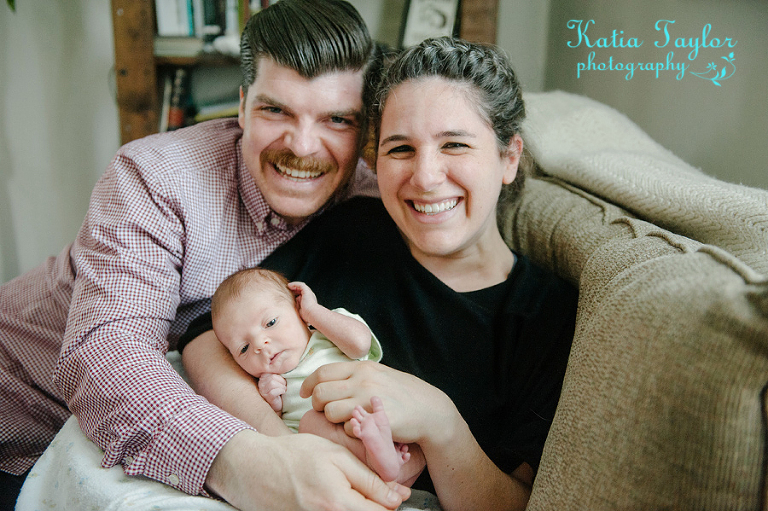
<point x="340" y="122"/>
<point x="244" y="349"/>
<point x="272" y="109"/>
<point x="271" y="322"/>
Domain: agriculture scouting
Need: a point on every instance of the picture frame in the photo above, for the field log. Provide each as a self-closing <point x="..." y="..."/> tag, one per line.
<point x="428" y="18"/>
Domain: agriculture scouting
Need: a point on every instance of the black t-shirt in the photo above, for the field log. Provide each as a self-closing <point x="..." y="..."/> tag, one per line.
<point x="499" y="353"/>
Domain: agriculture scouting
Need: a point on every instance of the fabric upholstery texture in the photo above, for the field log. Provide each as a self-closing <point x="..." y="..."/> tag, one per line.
<point x="664" y="400"/>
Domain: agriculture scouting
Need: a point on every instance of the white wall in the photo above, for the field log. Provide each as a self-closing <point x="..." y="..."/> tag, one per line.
<point x="720" y="130"/>
<point x="58" y="123"/>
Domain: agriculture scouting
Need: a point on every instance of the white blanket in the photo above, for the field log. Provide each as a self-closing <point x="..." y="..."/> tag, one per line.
<point x="69" y="476"/>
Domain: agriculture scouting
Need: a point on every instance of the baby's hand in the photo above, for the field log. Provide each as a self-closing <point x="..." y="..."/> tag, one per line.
<point x="272" y="387"/>
<point x="305" y="298"/>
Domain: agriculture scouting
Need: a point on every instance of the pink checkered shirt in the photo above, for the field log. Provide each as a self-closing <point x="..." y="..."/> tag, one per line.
<point x="173" y="215"/>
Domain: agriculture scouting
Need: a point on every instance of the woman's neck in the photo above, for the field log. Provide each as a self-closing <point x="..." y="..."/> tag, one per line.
<point x="480" y="268"/>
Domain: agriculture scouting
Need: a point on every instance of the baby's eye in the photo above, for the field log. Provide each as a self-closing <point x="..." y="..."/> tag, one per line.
<point x="244" y="349"/>
<point x="271" y="322"/>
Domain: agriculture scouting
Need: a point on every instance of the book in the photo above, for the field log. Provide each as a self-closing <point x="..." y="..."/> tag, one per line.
<point x="217" y="110"/>
<point x="169" y="21"/>
<point x="177" y="111"/>
<point x="166" y="105"/>
<point x="178" y="46"/>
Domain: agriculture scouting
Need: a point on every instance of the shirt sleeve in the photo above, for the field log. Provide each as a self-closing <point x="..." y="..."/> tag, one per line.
<point x="375" y="352"/>
<point x="112" y="370"/>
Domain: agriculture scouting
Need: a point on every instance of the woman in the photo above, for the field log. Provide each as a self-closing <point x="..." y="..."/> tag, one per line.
<point x="475" y="337"/>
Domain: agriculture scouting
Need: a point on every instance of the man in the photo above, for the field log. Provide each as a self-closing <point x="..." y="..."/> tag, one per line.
<point x="173" y="215"/>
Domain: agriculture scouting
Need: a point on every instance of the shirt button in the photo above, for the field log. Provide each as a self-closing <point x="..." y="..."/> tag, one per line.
<point x="275" y="221"/>
<point x="259" y="226"/>
<point x="129" y="460"/>
<point x="173" y="480"/>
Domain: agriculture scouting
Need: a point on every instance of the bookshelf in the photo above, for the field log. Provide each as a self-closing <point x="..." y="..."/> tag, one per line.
<point x="137" y="68"/>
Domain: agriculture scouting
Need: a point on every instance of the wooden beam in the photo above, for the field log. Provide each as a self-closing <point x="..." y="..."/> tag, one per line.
<point x="137" y="101"/>
<point x="478" y="20"/>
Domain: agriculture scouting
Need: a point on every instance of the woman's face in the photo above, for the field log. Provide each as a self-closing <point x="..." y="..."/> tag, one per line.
<point x="440" y="170"/>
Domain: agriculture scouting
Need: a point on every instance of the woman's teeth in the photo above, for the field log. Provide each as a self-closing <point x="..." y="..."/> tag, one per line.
<point x="433" y="209"/>
<point x="299" y="174"/>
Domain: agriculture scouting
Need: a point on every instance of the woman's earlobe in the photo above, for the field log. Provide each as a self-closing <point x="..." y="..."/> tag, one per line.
<point x="512" y="158"/>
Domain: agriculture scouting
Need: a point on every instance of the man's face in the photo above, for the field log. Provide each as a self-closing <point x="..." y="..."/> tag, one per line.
<point x="300" y="140"/>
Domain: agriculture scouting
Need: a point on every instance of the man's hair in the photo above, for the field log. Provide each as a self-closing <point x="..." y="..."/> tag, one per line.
<point x="312" y="37"/>
<point x="249" y="280"/>
<point x="489" y="77"/>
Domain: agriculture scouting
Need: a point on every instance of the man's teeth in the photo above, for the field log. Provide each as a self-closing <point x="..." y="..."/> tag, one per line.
<point x="299" y="174"/>
<point x="433" y="209"/>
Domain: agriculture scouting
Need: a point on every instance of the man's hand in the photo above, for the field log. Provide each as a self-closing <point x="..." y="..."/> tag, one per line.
<point x="272" y="387"/>
<point x="297" y="472"/>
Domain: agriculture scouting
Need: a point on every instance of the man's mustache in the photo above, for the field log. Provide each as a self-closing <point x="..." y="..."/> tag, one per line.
<point x="286" y="158"/>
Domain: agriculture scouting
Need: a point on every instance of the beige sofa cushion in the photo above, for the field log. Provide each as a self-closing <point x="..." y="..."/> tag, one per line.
<point x="664" y="400"/>
<point x="663" y="404"/>
<point x="596" y="148"/>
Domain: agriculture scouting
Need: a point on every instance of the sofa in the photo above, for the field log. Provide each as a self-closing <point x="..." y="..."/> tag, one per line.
<point x="664" y="402"/>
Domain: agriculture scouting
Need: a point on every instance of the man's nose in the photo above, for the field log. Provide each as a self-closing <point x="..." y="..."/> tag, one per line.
<point x="302" y="138"/>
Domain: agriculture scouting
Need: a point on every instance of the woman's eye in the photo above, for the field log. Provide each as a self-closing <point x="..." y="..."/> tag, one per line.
<point x="455" y="145"/>
<point x="271" y="322"/>
<point x="401" y="149"/>
<point x="339" y="120"/>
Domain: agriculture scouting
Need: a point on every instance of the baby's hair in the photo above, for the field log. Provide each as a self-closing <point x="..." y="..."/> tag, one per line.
<point x="242" y="281"/>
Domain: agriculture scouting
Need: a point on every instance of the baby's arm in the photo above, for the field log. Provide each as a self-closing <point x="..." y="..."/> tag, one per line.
<point x="272" y="387"/>
<point x="351" y="336"/>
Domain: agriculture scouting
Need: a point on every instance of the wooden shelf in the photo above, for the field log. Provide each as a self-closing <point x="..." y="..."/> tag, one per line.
<point x="206" y="59"/>
<point x="478" y="20"/>
<point x="136" y="67"/>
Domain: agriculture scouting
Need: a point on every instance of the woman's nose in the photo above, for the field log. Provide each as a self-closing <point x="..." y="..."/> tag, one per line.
<point x="428" y="173"/>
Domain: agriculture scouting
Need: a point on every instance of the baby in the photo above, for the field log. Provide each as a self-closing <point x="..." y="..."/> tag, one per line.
<point x="262" y="320"/>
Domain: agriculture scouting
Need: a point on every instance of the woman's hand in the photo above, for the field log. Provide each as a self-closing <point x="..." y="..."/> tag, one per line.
<point x="463" y="475"/>
<point x="417" y="411"/>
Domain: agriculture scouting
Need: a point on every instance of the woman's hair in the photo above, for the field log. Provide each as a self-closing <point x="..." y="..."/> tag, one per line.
<point x="312" y="37"/>
<point x="249" y="280"/>
<point x="486" y="71"/>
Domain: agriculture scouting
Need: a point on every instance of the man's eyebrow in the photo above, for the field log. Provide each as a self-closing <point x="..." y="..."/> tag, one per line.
<point x="351" y="112"/>
<point x="261" y="98"/>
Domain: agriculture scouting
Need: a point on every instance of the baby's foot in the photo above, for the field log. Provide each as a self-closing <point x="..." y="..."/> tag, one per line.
<point x="382" y="454"/>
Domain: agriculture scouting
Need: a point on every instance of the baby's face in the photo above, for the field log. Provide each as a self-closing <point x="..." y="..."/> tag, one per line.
<point x="264" y="332"/>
